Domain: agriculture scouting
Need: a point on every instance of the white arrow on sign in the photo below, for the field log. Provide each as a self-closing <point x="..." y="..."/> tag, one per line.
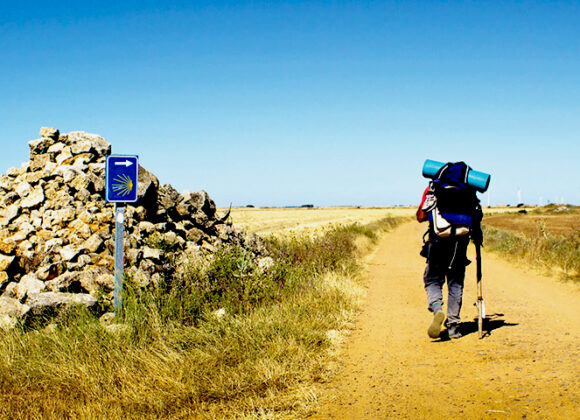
<point x="126" y="164"/>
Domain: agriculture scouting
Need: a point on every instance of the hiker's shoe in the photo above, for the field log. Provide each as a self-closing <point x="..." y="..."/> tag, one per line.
<point x="454" y="331"/>
<point x="435" y="327"/>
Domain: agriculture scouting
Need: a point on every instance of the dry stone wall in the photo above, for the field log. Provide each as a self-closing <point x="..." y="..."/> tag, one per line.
<point x="57" y="231"/>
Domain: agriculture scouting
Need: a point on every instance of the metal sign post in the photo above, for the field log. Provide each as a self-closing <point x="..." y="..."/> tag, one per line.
<point x="122" y="176"/>
<point x="119" y="255"/>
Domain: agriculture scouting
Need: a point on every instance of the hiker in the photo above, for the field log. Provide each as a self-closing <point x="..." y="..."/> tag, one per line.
<point x="447" y="239"/>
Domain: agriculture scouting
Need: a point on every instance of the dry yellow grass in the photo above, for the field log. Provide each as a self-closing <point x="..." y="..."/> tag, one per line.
<point x="532" y="224"/>
<point x="264" y="221"/>
<point x="282" y="221"/>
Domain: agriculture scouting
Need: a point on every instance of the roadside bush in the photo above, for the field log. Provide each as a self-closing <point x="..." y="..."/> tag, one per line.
<point x="542" y="248"/>
<point x="171" y="355"/>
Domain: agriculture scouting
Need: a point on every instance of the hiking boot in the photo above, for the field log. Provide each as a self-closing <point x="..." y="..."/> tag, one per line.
<point x="454" y="331"/>
<point x="435" y="327"/>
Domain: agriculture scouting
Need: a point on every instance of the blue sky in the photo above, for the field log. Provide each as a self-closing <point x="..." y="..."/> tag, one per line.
<point x="285" y="103"/>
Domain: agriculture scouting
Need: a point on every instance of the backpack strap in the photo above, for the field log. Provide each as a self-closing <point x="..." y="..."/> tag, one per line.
<point x="442" y="170"/>
<point x="453" y="173"/>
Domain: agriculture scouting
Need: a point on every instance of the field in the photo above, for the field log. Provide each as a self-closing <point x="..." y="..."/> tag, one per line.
<point x="546" y="237"/>
<point x="532" y="224"/>
<point x="282" y="221"/>
<point x="266" y="221"/>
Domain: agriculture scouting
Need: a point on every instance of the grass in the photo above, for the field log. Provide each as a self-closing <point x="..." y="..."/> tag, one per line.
<point x="172" y="356"/>
<point x="560" y="252"/>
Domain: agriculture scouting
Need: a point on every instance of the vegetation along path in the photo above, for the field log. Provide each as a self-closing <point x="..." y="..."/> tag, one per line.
<point x="526" y="367"/>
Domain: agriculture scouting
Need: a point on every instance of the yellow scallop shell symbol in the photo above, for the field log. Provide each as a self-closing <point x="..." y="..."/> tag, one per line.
<point x="124" y="185"/>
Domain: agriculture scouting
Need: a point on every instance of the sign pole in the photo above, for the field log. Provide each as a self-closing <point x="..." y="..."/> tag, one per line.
<point x="119" y="254"/>
<point x="121" y="179"/>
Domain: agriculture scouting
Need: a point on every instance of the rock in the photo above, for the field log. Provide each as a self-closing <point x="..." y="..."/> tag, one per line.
<point x="107" y="318"/>
<point x="7" y="322"/>
<point x="12" y="307"/>
<point x="14" y="172"/>
<point x="81" y="146"/>
<point x="39" y="146"/>
<point x="34" y="198"/>
<point x="106" y="281"/>
<point x="146" y="227"/>
<point x="67" y="172"/>
<point x="49" y="132"/>
<point x="64" y="156"/>
<point x="9" y="214"/>
<point x="134" y="256"/>
<point x="23" y="189"/>
<point x="40" y="302"/>
<point x="89" y="281"/>
<point x="139" y="277"/>
<point x="99" y="145"/>
<point x="50" y="271"/>
<point x="206" y="246"/>
<point x="28" y="284"/>
<point x="81" y="229"/>
<point x="8" y="199"/>
<point x="81" y="182"/>
<point x="152" y="254"/>
<point x="201" y="201"/>
<point x="70" y="252"/>
<point x="54" y="149"/>
<point x="3" y="278"/>
<point x="7" y="246"/>
<point x="94" y="243"/>
<point x="6" y="261"/>
<point x="41" y="166"/>
<point x="194" y="235"/>
<point x="6" y="182"/>
<point x="147" y="185"/>
<point x="25" y="228"/>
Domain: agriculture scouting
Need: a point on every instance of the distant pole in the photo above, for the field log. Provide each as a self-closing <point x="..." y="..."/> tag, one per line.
<point x="119" y="254"/>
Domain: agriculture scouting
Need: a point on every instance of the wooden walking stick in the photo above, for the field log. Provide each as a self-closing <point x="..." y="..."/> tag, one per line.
<point x="480" y="305"/>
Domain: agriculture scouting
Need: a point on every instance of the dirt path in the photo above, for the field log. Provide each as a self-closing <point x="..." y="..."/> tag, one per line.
<point x="527" y="367"/>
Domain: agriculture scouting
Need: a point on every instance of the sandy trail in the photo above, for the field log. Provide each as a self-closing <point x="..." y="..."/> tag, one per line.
<point x="527" y="367"/>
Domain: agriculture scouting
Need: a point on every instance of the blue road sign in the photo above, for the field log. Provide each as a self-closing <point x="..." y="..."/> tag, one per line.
<point x="121" y="175"/>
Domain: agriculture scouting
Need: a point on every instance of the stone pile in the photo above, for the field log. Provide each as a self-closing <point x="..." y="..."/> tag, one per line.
<point x="57" y="231"/>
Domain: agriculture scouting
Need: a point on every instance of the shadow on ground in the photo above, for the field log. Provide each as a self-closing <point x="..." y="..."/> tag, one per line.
<point x="490" y="323"/>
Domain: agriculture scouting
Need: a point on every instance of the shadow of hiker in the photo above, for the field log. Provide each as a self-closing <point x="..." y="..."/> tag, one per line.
<point x="490" y="323"/>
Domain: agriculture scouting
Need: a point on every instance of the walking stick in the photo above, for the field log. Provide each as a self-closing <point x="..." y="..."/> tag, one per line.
<point x="480" y="305"/>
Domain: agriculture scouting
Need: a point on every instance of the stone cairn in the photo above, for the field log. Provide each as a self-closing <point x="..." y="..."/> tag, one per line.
<point x="57" y="231"/>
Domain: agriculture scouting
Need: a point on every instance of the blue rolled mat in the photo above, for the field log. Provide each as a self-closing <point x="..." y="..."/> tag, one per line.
<point x="476" y="179"/>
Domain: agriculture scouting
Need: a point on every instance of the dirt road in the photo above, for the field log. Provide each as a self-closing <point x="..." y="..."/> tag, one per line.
<point x="527" y="367"/>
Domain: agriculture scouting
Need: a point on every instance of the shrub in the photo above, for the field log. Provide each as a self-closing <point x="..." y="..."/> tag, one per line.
<point x="172" y="357"/>
<point x="541" y="248"/>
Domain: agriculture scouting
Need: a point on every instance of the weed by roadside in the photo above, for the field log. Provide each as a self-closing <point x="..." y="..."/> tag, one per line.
<point x="541" y="248"/>
<point x="232" y="338"/>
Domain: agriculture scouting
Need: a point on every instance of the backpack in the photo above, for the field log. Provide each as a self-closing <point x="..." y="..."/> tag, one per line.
<point x="454" y="208"/>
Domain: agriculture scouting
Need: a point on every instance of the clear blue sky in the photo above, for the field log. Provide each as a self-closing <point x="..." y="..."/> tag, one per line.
<point x="285" y="103"/>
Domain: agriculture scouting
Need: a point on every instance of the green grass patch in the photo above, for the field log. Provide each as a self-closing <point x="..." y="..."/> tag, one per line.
<point x="171" y="356"/>
<point x="554" y="252"/>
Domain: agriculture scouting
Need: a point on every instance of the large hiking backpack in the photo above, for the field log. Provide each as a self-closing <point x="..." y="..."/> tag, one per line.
<point x="454" y="208"/>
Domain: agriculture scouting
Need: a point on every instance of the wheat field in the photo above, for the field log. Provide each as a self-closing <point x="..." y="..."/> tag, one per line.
<point x="282" y="221"/>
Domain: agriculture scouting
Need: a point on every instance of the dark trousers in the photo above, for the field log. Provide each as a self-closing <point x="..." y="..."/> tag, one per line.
<point x="446" y="260"/>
